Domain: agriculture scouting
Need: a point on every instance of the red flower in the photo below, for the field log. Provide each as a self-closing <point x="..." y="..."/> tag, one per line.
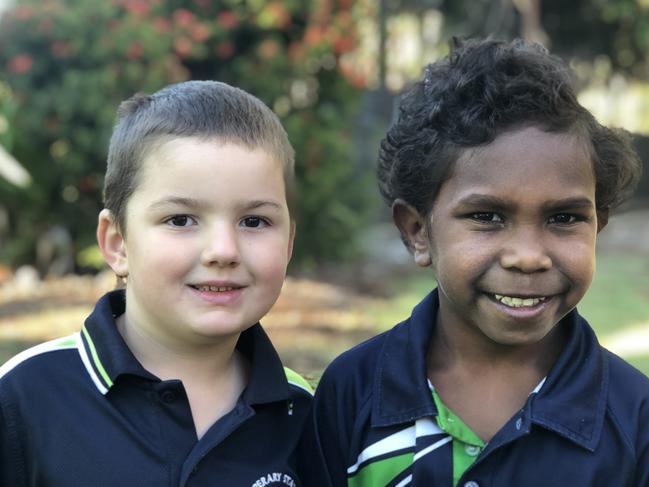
<point x="268" y="49"/>
<point x="225" y="49"/>
<point x="162" y="25"/>
<point x="343" y="44"/>
<point x="279" y="15"/>
<point x="313" y="35"/>
<point x="227" y="19"/>
<point x="355" y="78"/>
<point x="183" y="47"/>
<point x="137" y="7"/>
<point x="200" y="32"/>
<point x="20" y="64"/>
<point x="183" y="17"/>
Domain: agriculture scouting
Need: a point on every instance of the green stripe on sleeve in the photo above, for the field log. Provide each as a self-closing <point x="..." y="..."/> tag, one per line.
<point x="296" y="379"/>
<point x="66" y="342"/>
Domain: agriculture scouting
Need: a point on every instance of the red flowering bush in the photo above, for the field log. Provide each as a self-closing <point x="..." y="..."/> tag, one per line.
<point x="70" y="62"/>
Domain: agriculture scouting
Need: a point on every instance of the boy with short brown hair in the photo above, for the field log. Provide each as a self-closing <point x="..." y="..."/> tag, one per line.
<point x="172" y="381"/>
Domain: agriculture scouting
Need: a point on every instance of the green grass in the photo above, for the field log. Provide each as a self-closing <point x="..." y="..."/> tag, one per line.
<point x="619" y="295"/>
<point x="640" y="362"/>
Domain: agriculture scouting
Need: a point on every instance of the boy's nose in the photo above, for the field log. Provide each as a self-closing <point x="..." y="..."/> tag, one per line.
<point x="525" y="251"/>
<point x="221" y="247"/>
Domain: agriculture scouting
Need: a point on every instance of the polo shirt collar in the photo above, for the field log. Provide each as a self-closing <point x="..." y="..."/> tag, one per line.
<point x="106" y="355"/>
<point x="401" y="392"/>
<point x="571" y="403"/>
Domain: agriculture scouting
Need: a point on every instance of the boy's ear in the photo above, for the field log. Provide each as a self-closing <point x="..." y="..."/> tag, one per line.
<point x="413" y="231"/>
<point x="111" y="243"/>
<point x="291" y="240"/>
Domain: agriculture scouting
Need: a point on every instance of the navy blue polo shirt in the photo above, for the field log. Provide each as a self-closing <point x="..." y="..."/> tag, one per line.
<point x="82" y="411"/>
<point x="374" y="419"/>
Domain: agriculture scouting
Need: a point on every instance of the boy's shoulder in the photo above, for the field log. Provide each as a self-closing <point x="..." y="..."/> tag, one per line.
<point x="298" y="385"/>
<point x="399" y="351"/>
<point x="39" y="361"/>
<point x="360" y="361"/>
<point x="357" y="377"/>
<point x="627" y="385"/>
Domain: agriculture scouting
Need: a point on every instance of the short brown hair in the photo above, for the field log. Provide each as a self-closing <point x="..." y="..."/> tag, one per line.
<point x="204" y="109"/>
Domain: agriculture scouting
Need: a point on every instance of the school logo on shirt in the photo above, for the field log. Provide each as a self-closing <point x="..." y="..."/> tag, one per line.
<point x="274" y="479"/>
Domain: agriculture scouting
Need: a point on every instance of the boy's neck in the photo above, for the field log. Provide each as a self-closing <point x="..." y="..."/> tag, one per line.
<point x="168" y="361"/>
<point x="483" y="382"/>
<point x="453" y="346"/>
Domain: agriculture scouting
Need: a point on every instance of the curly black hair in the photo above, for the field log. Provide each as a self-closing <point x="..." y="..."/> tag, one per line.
<point x="482" y="89"/>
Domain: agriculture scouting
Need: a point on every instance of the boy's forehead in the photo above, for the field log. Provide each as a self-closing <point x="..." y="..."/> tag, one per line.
<point x="528" y="156"/>
<point x="529" y="145"/>
<point x="174" y="148"/>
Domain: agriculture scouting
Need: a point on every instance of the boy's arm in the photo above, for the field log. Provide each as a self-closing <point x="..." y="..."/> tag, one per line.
<point x="642" y="464"/>
<point x="11" y="464"/>
<point x="325" y="442"/>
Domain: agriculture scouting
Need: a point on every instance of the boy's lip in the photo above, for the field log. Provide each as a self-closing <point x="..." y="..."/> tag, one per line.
<point x="216" y="286"/>
<point x="218" y="293"/>
<point x="521" y="305"/>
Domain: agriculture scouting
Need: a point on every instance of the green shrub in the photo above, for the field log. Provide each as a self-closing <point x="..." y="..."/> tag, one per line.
<point x="70" y="62"/>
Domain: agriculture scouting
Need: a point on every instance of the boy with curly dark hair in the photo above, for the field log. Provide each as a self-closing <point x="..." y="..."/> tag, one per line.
<point x="499" y="180"/>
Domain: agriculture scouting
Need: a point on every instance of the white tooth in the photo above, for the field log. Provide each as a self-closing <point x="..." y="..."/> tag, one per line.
<point x="518" y="302"/>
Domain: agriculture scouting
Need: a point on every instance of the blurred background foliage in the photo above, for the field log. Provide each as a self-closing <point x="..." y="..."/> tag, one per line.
<point x="68" y="63"/>
<point x="329" y="68"/>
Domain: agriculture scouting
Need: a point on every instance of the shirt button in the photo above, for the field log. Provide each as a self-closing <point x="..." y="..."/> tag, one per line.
<point x="519" y="423"/>
<point x="168" y="396"/>
<point x="471" y="483"/>
<point x="472" y="450"/>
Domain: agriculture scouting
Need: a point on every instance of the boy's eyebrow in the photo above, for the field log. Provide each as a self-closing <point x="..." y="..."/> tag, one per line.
<point x="176" y="201"/>
<point x="477" y="199"/>
<point x="253" y="205"/>
<point x="577" y="202"/>
<point x="198" y="204"/>
<point x="495" y="202"/>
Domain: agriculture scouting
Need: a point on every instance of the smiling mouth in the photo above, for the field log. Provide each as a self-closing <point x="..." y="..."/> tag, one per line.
<point x="214" y="289"/>
<point x="515" y="302"/>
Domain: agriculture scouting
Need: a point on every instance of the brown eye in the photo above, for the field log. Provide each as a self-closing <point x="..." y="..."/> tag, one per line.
<point x="180" y="221"/>
<point x="563" y="218"/>
<point x="487" y="217"/>
<point x="254" y="222"/>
